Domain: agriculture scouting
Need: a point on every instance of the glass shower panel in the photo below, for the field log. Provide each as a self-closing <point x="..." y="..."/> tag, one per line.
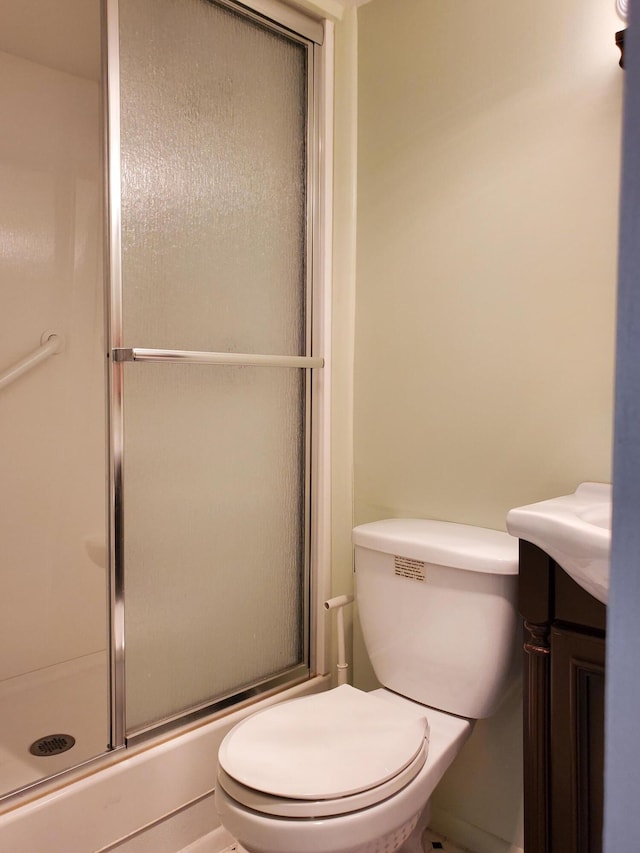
<point x="213" y="118"/>
<point x="214" y="205"/>
<point x="214" y="568"/>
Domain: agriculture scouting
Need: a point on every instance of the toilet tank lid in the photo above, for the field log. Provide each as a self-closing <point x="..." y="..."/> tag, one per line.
<point x="444" y="543"/>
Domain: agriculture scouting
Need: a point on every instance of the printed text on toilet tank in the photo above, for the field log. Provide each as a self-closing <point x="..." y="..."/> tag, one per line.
<point x="404" y="567"/>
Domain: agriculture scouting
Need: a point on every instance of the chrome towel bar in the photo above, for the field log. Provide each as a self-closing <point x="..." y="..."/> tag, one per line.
<point x="229" y="358"/>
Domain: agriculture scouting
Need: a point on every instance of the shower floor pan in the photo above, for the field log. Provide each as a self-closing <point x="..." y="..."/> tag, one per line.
<point x="66" y="699"/>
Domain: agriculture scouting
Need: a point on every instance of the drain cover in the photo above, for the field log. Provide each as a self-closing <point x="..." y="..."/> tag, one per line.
<point x="52" y="745"/>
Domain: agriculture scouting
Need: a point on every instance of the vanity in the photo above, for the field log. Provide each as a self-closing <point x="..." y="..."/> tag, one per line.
<point x="563" y="589"/>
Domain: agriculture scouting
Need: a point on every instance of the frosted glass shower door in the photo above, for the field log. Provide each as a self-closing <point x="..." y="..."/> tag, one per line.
<point x="214" y="359"/>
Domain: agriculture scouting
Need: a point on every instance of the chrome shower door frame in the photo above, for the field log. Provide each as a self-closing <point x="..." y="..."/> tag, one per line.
<point x="281" y="19"/>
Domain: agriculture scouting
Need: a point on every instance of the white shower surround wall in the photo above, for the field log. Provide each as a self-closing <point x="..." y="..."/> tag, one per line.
<point x="52" y="461"/>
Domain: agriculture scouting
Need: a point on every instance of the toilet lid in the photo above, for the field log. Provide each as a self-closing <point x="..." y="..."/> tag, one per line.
<point x="267" y="804"/>
<point x="323" y="746"/>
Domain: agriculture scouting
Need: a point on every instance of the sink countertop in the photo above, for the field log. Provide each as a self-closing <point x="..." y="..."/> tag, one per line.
<point x="575" y="530"/>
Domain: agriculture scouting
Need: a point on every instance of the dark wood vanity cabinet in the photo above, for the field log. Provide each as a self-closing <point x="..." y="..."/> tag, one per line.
<point x="564" y="657"/>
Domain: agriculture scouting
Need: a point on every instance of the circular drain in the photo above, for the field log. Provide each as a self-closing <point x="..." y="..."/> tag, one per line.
<point x="52" y="745"/>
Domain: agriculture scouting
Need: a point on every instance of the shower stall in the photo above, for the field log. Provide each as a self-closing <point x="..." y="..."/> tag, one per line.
<point x="161" y="369"/>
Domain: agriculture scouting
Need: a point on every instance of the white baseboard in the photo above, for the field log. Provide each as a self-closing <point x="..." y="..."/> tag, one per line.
<point x="466" y="835"/>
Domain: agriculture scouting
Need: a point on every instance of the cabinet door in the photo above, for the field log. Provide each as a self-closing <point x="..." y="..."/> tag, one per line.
<point x="577" y="741"/>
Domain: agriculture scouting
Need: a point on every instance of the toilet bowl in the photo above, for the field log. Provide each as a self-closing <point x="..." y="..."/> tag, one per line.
<point x="352" y="772"/>
<point x="378" y="817"/>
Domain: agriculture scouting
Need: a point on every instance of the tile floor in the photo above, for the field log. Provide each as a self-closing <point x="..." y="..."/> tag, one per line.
<point x="431" y="841"/>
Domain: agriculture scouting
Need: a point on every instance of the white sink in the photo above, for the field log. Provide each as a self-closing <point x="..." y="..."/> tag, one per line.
<point x="573" y="529"/>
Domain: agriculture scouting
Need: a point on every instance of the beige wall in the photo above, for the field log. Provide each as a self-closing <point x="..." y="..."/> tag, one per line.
<point x="486" y="258"/>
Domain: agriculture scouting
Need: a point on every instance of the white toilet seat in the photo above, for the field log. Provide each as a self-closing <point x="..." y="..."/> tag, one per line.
<point x="323" y="755"/>
<point x="267" y="804"/>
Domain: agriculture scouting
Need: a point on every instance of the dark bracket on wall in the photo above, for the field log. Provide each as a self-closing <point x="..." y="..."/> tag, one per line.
<point x="620" y="44"/>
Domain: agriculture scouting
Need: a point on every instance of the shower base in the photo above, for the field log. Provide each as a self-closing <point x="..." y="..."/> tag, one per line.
<point x="69" y="698"/>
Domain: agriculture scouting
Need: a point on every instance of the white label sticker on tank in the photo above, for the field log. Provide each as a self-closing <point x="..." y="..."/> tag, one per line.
<point x="407" y="568"/>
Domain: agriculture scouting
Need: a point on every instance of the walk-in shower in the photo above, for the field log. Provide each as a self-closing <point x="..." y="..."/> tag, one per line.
<point x="53" y="559"/>
<point x="162" y="371"/>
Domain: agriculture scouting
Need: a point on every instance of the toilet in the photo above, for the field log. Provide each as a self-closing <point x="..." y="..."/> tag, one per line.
<point x="346" y="771"/>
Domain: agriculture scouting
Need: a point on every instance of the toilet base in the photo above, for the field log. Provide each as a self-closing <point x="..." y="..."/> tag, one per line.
<point x="401" y="840"/>
<point x="364" y="831"/>
<point x="413" y="844"/>
<point x="392" y="841"/>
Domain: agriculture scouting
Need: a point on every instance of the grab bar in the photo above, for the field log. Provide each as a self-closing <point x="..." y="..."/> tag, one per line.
<point x="51" y="343"/>
<point x="230" y="358"/>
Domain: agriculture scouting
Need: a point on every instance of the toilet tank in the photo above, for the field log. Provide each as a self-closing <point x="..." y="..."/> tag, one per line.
<point x="437" y="602"/>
